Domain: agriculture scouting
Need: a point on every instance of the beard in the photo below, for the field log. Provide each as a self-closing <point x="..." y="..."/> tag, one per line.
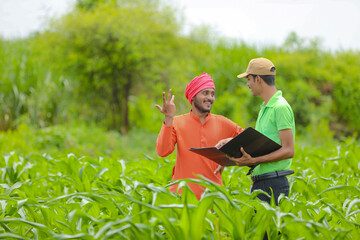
<point x="200" y="108"/>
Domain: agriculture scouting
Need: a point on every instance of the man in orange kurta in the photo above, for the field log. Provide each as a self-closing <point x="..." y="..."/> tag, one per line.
<point x="198" y="128"/>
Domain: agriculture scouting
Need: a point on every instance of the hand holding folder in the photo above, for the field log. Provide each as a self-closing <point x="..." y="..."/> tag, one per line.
<point x="253" y="142"/>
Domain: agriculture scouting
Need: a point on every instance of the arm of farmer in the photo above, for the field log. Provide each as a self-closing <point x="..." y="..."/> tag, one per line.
<point x="165" y="143"/>
<point x="286" y="151"/>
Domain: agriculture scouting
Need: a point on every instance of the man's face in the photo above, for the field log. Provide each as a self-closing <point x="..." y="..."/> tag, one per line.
<point x="204" y="100"/>
<point x="253" y="85"/>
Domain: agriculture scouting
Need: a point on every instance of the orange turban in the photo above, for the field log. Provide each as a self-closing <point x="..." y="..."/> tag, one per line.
<point x="198" y="84"/>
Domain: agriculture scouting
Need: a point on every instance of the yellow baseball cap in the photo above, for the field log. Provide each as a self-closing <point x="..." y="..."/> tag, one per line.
<point x="259" y="66"/>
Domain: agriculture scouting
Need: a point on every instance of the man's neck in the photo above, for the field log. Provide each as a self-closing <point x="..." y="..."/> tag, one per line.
<point x="202" y="116"/>
<point x="267" y="93"/>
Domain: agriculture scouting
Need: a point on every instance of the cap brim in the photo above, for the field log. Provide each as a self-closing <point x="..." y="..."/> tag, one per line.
<point x="243" y="75"/>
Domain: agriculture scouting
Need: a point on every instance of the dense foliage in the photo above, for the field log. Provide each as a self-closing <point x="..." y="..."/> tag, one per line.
<point x="108" y="63"/>
<point x="110" y="53"/>
<point x="73" y="196"/>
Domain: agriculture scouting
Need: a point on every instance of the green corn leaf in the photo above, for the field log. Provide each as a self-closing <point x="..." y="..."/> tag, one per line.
<point x="38" y="226"/>
<point x="108" y="226"/>
<point x="185" y="220"/>
<point x="10" y="236"/>
<point x="16" y="185"/>
<point x="352" y="213"/>
<point x="341" y="187"/>
<point x="76" y="236"/>
<point x="199" y="215"/>
<point x="351" y="205"/>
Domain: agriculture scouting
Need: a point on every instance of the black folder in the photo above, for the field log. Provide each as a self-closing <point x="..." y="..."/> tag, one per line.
<point x="254" y="143"/>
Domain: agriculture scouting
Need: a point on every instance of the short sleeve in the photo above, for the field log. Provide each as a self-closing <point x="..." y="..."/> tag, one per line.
<point x="284" y="117"/>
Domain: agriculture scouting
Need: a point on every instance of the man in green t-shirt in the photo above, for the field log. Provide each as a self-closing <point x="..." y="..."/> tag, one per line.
<point x="276" y="121"/>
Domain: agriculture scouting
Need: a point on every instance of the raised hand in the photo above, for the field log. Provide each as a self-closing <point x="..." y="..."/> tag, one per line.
<point x="168" y="108"/>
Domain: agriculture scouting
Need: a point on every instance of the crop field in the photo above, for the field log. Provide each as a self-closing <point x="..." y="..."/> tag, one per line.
<point x="78" y="126"/>
<point x="56" y="196"/>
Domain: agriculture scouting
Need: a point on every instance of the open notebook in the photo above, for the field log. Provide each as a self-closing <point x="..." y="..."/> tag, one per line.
<point x="254" y="143"/>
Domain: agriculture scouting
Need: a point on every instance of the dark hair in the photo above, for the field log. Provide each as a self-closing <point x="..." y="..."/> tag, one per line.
<point x="268" y="79"/>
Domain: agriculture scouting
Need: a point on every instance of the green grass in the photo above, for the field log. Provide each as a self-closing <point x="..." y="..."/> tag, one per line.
<point x="77" y="138"/>
<point x="92" y="196"/>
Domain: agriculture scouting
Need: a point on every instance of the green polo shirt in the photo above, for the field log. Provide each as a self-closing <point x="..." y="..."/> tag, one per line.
<point x="274" y="116"/>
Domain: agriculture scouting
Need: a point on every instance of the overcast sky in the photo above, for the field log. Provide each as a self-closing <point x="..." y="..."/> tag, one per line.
<point x="335" y="22"/>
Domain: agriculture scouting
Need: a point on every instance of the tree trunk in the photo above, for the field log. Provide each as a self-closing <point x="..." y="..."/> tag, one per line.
<point x="127" y="88"/>
<point x="116" y="108"/>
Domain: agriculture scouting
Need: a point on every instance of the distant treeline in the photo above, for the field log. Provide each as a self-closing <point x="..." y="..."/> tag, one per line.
<point x="107" y="62"/>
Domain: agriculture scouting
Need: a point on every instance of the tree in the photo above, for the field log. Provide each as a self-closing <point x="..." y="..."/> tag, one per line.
<point x="112" y="48"/>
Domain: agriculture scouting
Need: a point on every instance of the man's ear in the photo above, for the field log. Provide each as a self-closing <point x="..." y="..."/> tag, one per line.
<point x="258" y="78"/>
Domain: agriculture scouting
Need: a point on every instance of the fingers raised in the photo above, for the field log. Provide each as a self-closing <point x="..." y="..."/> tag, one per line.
<point x="169" y="95"/>
<point x="164" y="99"/>
<point x="158" y="107"/>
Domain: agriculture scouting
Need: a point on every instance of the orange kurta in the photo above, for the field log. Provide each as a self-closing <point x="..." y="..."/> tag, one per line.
<point x="187" y="131"/>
